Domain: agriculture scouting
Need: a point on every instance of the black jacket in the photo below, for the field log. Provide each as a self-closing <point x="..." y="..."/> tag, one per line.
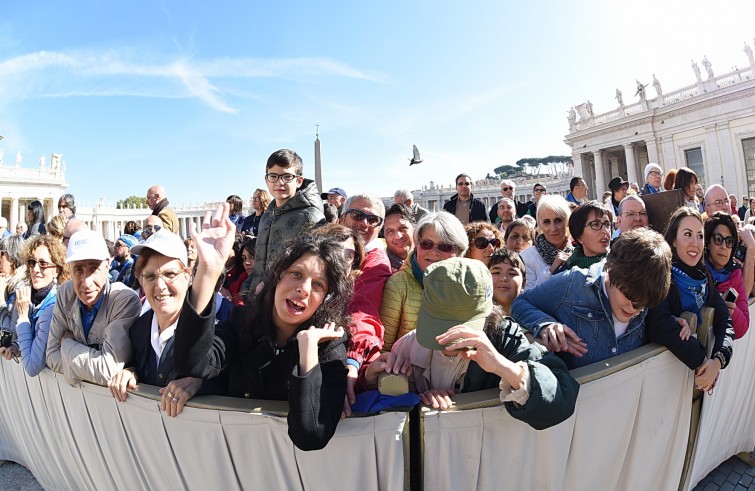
<point x="519" y="207"/>
<point x="661" y="327"/>
<point x="144" y="362"/>
<point x="477" y="210"/>
<point x="256" y="372"/>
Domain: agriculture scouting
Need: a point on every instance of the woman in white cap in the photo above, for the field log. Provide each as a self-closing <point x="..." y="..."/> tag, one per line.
<point x="164" y="278"/>
<point x="653" y="179"/>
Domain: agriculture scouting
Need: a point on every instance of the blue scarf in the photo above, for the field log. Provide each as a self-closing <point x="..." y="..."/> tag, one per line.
<point x="37" y="310"/>
<point x="419" y="275"/>
<point x="722" y="275"/>
<point x="648" y="189"/>
<point x="693" y="291"/>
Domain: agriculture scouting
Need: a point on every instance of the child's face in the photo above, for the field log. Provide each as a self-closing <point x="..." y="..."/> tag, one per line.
<point x="283" y="191"/>
<point x="507" y="283"/>
<point x="623" y="308"/>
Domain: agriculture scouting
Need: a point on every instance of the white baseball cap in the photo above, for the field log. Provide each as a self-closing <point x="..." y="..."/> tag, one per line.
<point x="86" y="244"/>
<point x="166" y="243"/>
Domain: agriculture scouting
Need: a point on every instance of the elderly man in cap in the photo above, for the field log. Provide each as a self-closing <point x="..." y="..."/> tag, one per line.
<point x="405" y="197"/>
<point x="336" y="197"/>
<point x="123" y="263"/>
<point x="618" y="187"/>
<point x="89" y="330"/>
<point x="653" y="179"/>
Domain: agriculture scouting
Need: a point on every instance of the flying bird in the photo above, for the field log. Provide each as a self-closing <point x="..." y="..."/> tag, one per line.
<point x="416" y="159"/>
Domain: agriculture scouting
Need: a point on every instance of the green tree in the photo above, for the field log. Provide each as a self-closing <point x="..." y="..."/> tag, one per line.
<point x="132" y="202"/>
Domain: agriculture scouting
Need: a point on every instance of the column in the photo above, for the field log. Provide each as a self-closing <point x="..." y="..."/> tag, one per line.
<point x="734" y="175"/>
<point x="600" y="179"/>
<point x="577" y="159"/>
<point x="13" y="215"/>
<point x="652" y="151"/>
<point x="631" y="164"/>
<point x="713" y="160"/>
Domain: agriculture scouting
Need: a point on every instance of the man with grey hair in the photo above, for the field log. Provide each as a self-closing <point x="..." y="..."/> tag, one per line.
<point x="506" y="213"/>
<point x="365" y="213"/>
<point x="508" y="190"/>
<point x="716" y="199"/>
<point x="405" y="197"/>
<point x="632" y="215"/>
<point x="158" y="203"/>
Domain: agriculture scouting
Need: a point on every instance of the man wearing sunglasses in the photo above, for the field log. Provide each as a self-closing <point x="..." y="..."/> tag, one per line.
<point x="508" y="190"/>
<point x="91" y="318"/>
<point x="463" y="205"/>
<point x="158" y="203"/>
<point x="296" y="207"/>
<point x="365" y="214"/>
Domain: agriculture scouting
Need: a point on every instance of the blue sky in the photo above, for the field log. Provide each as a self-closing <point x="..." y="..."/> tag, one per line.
<point x="196" y="95"/>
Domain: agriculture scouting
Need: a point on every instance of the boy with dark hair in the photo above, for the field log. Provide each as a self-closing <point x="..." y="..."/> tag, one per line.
<point x="590" y="315"/>
<point x="296" y="207"/>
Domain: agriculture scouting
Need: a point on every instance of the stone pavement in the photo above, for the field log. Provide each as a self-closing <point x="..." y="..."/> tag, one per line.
<point x="17" y="477"/>
<point x="732" y="475"/>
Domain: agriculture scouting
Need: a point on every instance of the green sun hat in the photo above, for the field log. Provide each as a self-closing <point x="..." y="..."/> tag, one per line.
<point x="457" y="291"/>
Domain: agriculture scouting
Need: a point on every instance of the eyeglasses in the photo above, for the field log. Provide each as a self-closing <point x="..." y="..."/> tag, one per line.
<point x="631" y="214"/>
<point x="168" y="276"/>
<point x="654" y="173"/>
<point x="32" y="263"/>
<point x="429" y="245"/>
<point x="257" y="198"/>
<point x="719" y="202"/>
<point x="506" y="189"/>
<point x="539" y="190"/>
<point x="272" y="177"/>
<point x="597" y="224"/>
<point x="719" y="239"/>
<point x="482" y="242"/>
<point x="463" y="183"/>
<point x="359" y="215"/>
<point x="150" y="229"/>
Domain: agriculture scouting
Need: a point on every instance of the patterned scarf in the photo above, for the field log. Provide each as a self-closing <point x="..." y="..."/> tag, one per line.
<point x="548" y="251"/>
<point x="692" y="284"/>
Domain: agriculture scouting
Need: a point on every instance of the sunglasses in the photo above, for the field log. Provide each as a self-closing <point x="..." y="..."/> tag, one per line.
<point x="482" y="242"/>
<point x="31" y="263"/>
<point x="429" y="245"/>
<point x="506" y="189"/>
<point x="359" y="215"/>
<point x="150" y="229"/>
<point x="463" y="183"/>
<point x="539" y="190"/>
<point x="719" y="239"/>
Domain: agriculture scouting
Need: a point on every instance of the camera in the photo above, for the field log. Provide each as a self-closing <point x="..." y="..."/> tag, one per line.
<point x="6" y="338"/>
<point x="740" y="251"/>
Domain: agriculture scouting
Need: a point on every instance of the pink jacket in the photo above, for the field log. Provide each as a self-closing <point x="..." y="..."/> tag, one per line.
<point x="741" y="316"/>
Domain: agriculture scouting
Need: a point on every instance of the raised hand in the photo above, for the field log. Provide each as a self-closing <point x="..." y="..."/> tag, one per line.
<point x="308" y="340"/>
<point x="214" y="240"/>
<point x="23" y="299"/>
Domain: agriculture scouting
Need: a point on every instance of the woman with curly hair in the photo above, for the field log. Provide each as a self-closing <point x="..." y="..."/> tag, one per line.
<point x="289" y="344"/>
<point x="45" y="259"/>
<point x="484" y="240"/>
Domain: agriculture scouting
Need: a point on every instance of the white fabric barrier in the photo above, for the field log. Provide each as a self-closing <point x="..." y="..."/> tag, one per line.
<point x="81" y="438"/>
<point x="727" y="418"/>
<point x="629" y="431"/>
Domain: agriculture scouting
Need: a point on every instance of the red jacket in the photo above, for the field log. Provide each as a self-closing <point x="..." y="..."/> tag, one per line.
<point x="367" y="329"/>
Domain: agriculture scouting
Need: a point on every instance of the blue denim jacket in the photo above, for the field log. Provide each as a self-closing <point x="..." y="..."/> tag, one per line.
<point x="576" y="299"/>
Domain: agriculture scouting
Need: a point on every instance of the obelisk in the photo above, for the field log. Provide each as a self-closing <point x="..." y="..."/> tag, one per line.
<point x="318" y="162"/>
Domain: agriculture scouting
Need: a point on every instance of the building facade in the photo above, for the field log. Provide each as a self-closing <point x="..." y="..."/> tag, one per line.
<point x="708" y="126"/>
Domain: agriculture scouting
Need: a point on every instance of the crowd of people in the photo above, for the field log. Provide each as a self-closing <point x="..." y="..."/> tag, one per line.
<point x="315" y="298"/>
